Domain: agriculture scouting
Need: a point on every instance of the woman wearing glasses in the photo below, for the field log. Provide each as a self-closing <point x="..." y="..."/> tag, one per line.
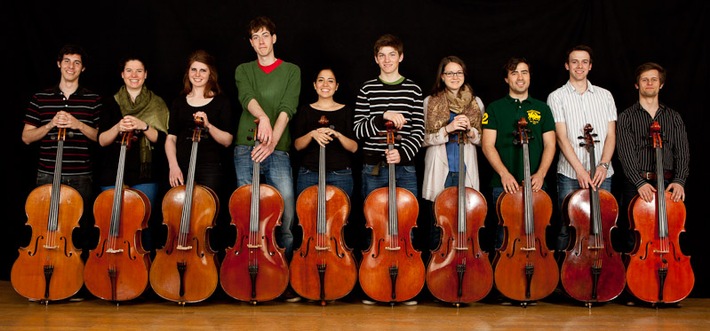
<point x="451" y="108"/>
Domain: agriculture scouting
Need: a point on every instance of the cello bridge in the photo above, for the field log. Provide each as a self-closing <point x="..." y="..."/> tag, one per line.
<point x="392" y="248"/>
<point x="184" y="248"/>
<point x="322" y="248"/>
<point x="113" y="250"/>
<point x="253" y="246"/>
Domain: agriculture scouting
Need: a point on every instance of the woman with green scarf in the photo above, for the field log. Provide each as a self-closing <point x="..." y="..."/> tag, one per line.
<point x="138" y="110"/>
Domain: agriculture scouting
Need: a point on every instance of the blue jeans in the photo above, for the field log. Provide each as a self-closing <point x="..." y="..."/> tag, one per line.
<point x="277" y="173"/>
<point x="406" y="177"/>
<point x="341" y="178"/>
<point x="151" y="191"/>
<point x="565" y="187"/>
<point x="452" y="179"/>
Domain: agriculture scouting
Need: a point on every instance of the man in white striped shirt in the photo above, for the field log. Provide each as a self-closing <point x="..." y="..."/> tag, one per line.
<point x="574" y="105"/>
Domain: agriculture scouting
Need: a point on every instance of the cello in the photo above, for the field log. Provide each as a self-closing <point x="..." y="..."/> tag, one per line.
<point x="592" y="271"/>
<point x="185" y="269"/>
<point x="391" y="269"/>
<point x="459" y="271"/>
<point x="323" y="268"/>
<point x="658" y="271"/>
<point x="50" y="267"/>
<point x="118" y="268"/>
<point x="525" y="269"/>
<point x="255" y="269"/>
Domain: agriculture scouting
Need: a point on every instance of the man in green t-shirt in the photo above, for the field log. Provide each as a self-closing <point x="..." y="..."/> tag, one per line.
<point x="499" y="124"/>
<point x="268" y="92"/>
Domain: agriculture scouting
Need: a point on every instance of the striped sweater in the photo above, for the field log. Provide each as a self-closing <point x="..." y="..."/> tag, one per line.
<point x="373" y="100"/>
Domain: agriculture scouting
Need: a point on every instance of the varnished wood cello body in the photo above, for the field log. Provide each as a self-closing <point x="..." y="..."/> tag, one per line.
<point x="185" y="269"/>
<point x="391" y="269"/>
<point x="592" y="271"/>
<point x="323" y="268"/>
<point x="255" y="269"/>
<point x="459" y="271"/>
<point x="658" y="271"/>
<point x="50" y="267"/>
<point x="117" y="270"/>
<point x="525" y="269"/>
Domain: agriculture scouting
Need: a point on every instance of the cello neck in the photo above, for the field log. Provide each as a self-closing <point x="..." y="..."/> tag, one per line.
<point x="321" y="227"/>
<point x="523" y="138"/>
<point x="660" y="180"/>
<point x="56" y="182"/>
<point x="255" y="195"/>
<point x="527" y="186"/>
<point x="594" y="204"/>
<point x="118" y="188"/>
<point x="189" y="187"/>
<point x="461" y="186"/>
<point x="392" y="188"/>
<point x="321" y="222"/>
<point x="392" y="197"/>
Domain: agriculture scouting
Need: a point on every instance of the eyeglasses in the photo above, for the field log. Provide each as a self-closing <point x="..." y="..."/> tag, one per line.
<point x="450" y="74"/>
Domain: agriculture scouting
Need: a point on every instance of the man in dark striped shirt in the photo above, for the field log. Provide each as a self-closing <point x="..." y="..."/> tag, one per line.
<point x="74" y="109"/>
<point x="389" y="97"/>
<point x="636" y="149"/>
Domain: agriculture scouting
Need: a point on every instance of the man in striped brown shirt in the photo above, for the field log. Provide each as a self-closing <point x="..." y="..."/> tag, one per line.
<point x="75" y="109"/>
<point x="636" y="150"/>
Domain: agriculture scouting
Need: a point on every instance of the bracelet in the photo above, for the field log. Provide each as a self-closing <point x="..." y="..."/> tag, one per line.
<point x="604" y="164"/>
<point x="447" y="131"/>
<point x="147" y="127"/>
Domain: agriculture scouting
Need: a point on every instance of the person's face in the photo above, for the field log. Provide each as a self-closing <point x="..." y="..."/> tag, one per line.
<point x="134" y="74"/>
<point x="649" y="84"/>
<point x="71" y="67"/>
<point x="199" y="74"/>
<point x="519" y="79"/>
<point x="388" y="59"/>
<point x="453" y="76"/>
<point x="578" y="64"/>
<point x="263" y="42"/>
<point x="325" y="84"/>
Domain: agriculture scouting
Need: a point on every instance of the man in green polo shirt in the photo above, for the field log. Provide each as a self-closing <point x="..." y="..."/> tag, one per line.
<point x="499" y="124"/>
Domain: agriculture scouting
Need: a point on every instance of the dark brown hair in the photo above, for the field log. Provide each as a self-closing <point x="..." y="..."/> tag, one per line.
<point x="651" y="66"/>
<point x="439" y="84"/>
<point x="261" y="22"/>
<point x="389" y="40"/>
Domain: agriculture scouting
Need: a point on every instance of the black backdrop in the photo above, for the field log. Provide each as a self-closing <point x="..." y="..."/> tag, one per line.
<point x="623" y="34"/>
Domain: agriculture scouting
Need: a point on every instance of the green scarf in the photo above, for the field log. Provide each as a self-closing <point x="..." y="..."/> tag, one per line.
<point x="149" y="108"/>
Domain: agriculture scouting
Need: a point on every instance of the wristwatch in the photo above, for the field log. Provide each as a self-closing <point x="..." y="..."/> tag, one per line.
<point x="604" y="164"/>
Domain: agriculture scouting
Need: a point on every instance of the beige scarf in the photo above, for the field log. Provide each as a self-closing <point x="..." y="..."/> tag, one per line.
<point x="443" y="103"/>
<point x="149" y="108"/>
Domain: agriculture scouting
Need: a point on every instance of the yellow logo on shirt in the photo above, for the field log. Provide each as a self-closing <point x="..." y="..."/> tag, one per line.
<point x="484" y="120"/>
<point x="534" y="116"/>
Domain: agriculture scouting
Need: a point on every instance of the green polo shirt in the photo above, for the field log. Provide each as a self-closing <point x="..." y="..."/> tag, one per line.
<point x="503" y="115"/>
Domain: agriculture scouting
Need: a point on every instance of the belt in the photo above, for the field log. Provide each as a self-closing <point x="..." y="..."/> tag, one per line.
<point x="648" y="175"/>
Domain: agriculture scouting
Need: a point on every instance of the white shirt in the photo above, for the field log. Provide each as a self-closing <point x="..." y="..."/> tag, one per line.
<point x="596" y="107"/>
